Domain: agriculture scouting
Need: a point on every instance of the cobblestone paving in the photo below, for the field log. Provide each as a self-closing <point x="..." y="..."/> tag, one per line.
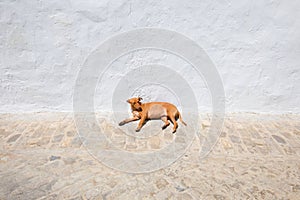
<point x="256" y="157"/>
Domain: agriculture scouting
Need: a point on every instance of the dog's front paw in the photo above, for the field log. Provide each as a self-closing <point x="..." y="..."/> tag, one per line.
<point x="137" y="130"/>
<point x="121" y="123"/>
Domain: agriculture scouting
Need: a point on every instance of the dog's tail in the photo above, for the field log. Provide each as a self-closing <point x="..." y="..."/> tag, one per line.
<point x="180" y="118"/>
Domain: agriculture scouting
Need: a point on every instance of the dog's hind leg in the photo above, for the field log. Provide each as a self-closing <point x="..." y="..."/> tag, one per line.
<point x="167" y="123"/>
<point x="172" y="118"/>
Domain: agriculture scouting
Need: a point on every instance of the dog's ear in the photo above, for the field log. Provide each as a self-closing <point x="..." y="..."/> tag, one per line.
<point x="128" y="101"/>
<point x="140" y="98"/>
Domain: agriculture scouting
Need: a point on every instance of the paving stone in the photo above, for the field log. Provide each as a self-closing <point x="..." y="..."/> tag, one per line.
<point x="54" y="158"/>
<point x="223" y="134"/>
<point x="57" y="138"/>
<point x="13" y="138"/>
<point x="219" y="197"/>
<point x="76" y="142"/>
<point x="69" y="160"/>
<point x="161" y="183"/>
<point x="71" y="133"/>
<point x="43" y="141"/>
<point x="279" y="139"/>
<point x="235" y="139"/>
<point x="180" y="188"/>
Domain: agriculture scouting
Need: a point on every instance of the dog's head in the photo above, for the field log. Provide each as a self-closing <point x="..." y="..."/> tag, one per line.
<point x="135" y="103"/>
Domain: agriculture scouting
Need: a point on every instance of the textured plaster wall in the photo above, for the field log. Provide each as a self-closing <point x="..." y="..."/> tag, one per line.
<point x="255" y="46"/>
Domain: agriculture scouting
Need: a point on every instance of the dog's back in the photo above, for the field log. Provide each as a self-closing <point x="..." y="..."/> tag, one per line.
<point x="156" y="110"/>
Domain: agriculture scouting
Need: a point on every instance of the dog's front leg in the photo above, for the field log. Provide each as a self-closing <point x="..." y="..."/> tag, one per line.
<point x="128" y="120"/>
<point x="141" y="123"/>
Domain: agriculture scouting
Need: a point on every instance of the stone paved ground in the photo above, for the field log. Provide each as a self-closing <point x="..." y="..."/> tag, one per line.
<point x="256" y="157"/>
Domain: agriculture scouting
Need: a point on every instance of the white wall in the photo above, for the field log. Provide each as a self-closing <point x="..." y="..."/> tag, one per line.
<point x="255" y="45"/>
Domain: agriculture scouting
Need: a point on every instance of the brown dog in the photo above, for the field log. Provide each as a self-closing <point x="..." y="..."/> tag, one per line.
<point x="153" y="110"/>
